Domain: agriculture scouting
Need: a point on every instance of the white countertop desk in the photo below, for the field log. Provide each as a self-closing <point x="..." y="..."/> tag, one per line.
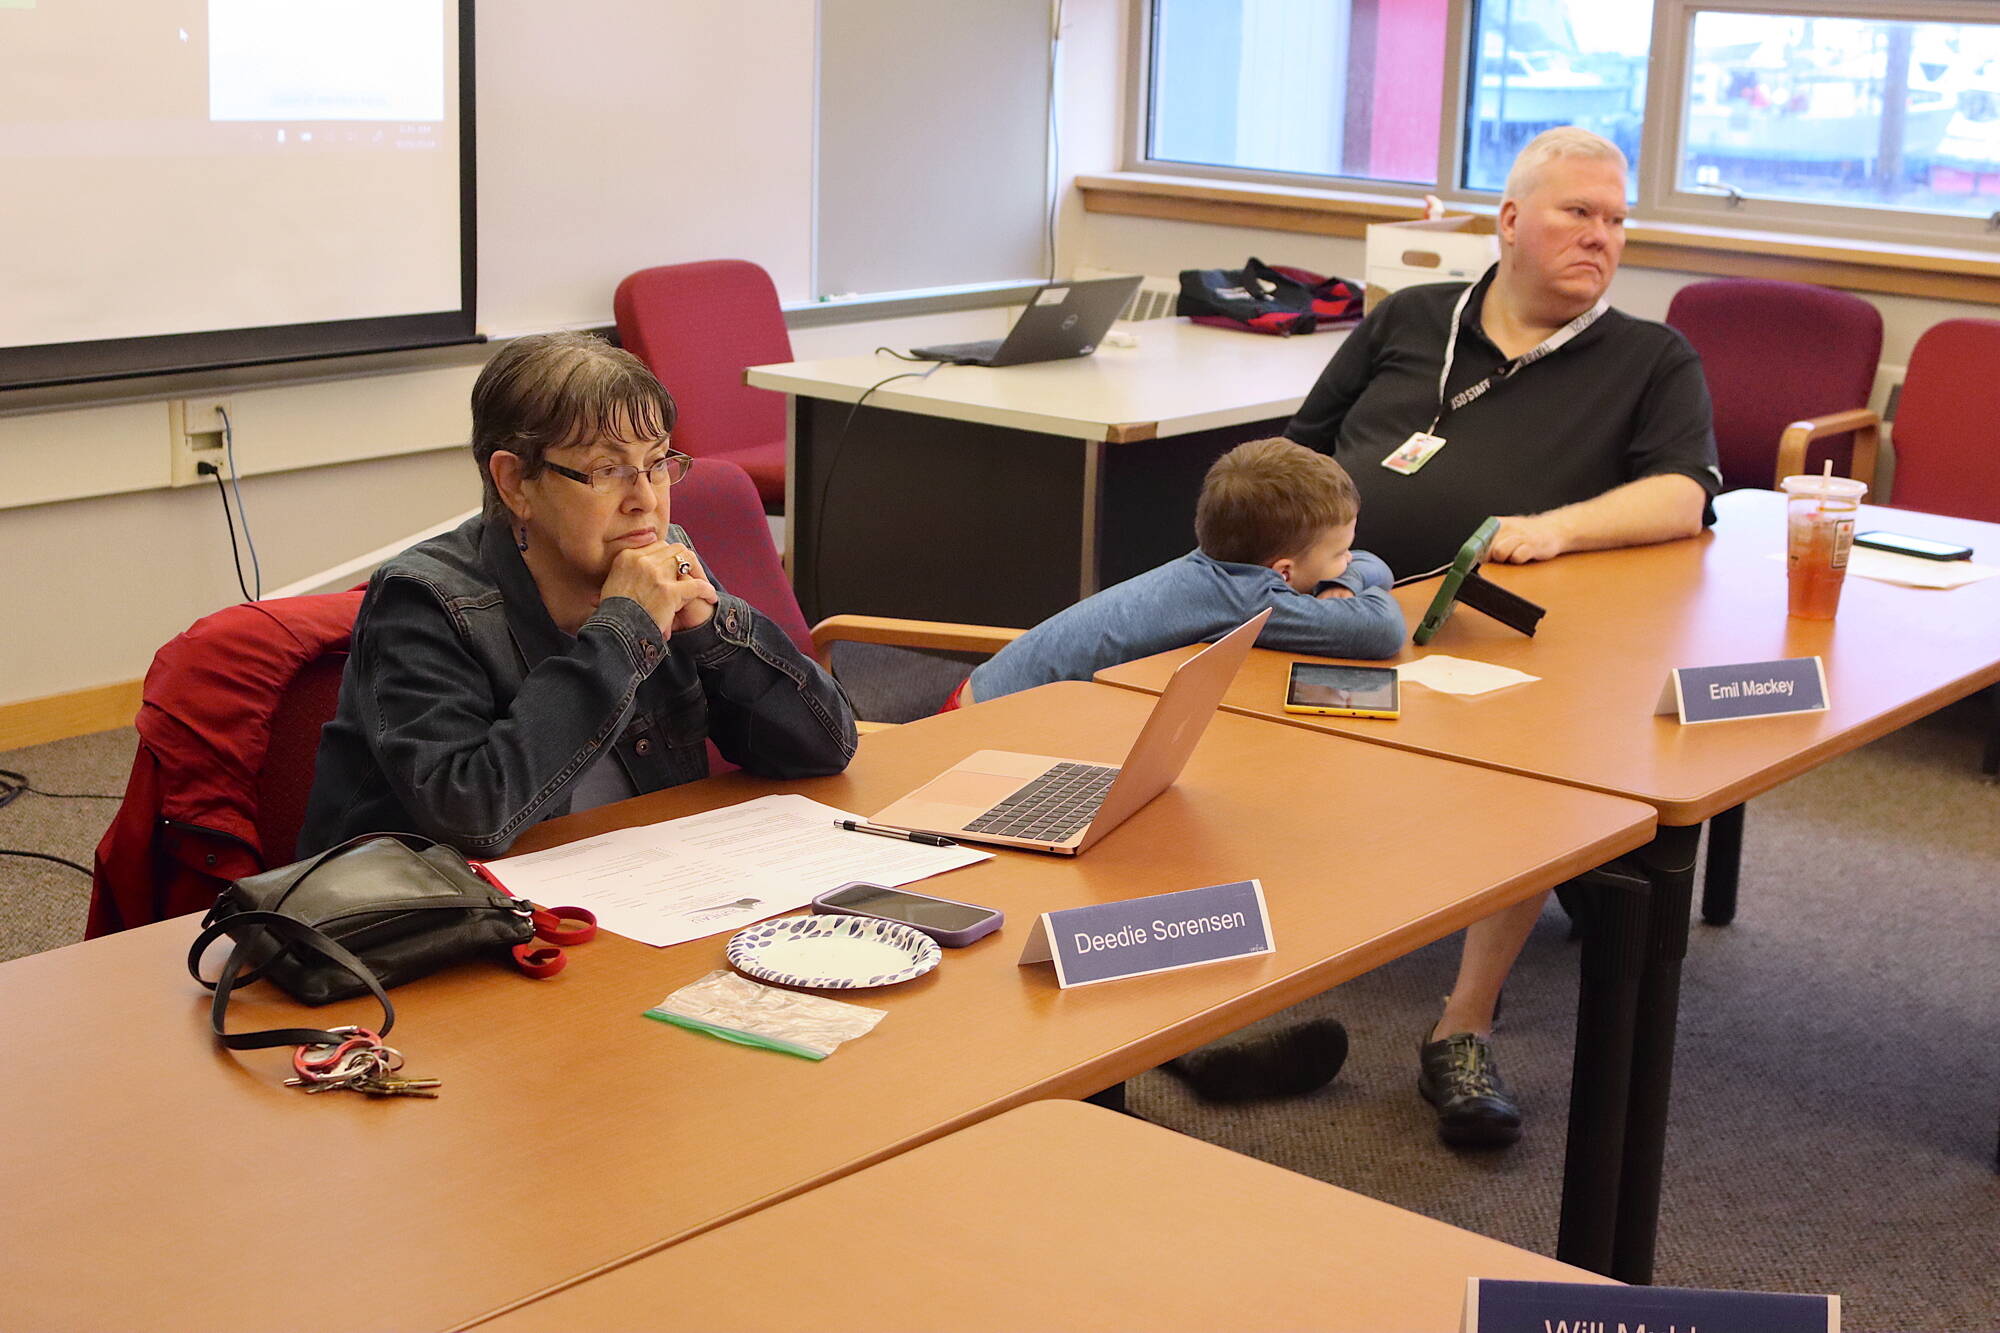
<point x="1001" y="496"/>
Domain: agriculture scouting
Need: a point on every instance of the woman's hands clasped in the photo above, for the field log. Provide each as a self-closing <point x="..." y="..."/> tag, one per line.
<point x="667" y="579"/>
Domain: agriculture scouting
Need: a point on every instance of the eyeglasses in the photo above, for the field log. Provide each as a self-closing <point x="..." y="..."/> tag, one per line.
<point x="615" y="477"/>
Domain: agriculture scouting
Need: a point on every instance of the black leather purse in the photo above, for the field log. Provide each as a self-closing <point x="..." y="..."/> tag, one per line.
<point x="372" y="913"/>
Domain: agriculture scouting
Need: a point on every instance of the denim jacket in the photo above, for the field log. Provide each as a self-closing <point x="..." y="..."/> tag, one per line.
<point x="466" y="715"/>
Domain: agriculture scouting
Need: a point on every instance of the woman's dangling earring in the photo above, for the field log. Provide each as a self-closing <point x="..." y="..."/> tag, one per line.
<point x="520" y="539"/>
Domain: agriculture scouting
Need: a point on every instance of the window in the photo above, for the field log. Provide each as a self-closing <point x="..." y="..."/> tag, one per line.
<point x="1341" y="88"/>
<point x="1865" y="119"/>
<point x="1566" y="62"/>
<point x="1862" y="112"/>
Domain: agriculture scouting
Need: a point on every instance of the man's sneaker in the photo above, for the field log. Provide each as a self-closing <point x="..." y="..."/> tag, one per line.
<point x="1459" y="1077"/>
<point x="1287" y="1063"/>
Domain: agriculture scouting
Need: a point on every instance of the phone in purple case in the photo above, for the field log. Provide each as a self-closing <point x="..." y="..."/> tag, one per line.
<point x="951" y="924"/>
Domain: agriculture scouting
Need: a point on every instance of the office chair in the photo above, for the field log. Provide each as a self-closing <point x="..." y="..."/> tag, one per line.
<point x="698" y="326"/>
<point x="719" y="508"/>
<point x="229" y="722"/>
<point x="1790" y="367"/>
<point x="1946" y="462"/>
<point x="1787" y="363"/>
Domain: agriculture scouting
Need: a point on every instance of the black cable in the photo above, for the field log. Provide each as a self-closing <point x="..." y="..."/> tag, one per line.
<point x="236" y="485"/>
<point x="826" y="474"/>
<point x="229" y="519"/>
<point x="44" y="856"/>
<point x="12" y="786"/>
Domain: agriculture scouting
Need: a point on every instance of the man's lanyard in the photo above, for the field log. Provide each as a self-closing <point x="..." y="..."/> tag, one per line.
<point x="1555" y="342"/>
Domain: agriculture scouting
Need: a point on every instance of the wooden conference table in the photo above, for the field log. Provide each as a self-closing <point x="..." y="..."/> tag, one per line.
<point x="1000" y="496"/>
<point x="152" y="1179"/>
<point x="1056" y="1215"/>
<point x="1617" y="622"/>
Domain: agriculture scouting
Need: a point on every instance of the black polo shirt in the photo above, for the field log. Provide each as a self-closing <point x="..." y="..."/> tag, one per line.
<point x="1624" y="399"/>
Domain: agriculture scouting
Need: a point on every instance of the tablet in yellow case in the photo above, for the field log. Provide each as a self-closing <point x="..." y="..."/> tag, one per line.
<point x="1343" y="691"/>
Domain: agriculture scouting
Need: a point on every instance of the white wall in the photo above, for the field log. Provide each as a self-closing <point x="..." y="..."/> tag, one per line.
<point x="595" y="159"/>
<point x="96" y="585"/>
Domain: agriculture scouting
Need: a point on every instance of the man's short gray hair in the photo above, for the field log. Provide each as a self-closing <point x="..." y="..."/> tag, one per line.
<point x="1550" y="145"/>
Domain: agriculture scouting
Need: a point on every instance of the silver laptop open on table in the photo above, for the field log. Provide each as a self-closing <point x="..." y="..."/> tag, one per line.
<point x="1064" y="805"/>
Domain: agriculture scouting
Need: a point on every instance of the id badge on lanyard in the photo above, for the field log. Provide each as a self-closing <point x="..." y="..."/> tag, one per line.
<point x="1423" y="445"/>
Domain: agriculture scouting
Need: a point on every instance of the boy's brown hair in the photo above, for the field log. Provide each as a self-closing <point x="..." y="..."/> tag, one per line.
<point x="1271" y="498"/>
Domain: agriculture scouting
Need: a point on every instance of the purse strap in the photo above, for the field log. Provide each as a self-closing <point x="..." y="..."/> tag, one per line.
<point x="289" y="931"/>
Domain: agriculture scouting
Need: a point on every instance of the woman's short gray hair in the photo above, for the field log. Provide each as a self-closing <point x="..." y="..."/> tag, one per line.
<point x="548" y="390"/>
<point x="1550" y="145"/>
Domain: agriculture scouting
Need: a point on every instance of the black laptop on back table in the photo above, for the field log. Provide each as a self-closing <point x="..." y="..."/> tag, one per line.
<point x="1063" y="319"/>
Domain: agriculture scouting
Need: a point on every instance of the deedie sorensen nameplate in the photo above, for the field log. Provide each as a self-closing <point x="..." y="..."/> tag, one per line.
<point x="1745" y="689"/>
<point x="1495" y="1306"/>
<point x="1106" y="941"/>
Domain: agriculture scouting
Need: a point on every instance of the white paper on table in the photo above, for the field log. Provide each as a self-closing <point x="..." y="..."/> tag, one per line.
<point x="703" y="874"/>
<point x="1460" y="675"/>
<point x="1912" y="571"/>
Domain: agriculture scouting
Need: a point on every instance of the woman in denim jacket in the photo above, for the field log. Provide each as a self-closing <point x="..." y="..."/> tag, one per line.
<point x="566" y="648"/>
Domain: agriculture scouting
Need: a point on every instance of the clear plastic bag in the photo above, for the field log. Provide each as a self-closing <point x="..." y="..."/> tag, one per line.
<point x="733" y="1007"/>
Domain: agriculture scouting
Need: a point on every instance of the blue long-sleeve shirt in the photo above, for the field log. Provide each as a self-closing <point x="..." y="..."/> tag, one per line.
<point x="1197" y="600"/>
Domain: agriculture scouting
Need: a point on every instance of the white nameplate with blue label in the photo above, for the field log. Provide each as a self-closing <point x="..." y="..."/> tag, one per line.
<point x="1745" y="689"/>
<point x="1167" y="931"/>
<point x="1494" y="1306"/>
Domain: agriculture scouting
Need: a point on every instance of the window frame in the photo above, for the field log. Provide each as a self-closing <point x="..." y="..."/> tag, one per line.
<point x="1657" y="199"/>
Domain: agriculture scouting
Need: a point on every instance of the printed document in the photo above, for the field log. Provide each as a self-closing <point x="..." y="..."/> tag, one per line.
<point x="702" y="874"/>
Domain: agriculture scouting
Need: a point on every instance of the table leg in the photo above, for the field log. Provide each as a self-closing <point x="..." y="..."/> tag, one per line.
<point x="1111" y="1099"/>
<point x="1989" y="763"/>
<point x="1725" y="861"/>
<point x="1669" y="861"/>
<point x="1612" y="906"/>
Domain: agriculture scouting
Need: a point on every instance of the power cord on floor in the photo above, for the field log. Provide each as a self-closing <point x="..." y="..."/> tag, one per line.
<point x="14" y="785"/>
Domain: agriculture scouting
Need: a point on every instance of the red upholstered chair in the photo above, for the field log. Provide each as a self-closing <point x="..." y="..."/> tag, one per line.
<point x="229" y="722"/>
<point x="1787" y="365"/>
<point x="1946" y="461"/>
<point x="698" y="326"/>
<point x="1790" y="367"/>
<point x="718" y="507"/>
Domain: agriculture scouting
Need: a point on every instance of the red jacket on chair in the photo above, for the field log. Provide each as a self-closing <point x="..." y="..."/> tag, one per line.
<point x="228" y="725"/>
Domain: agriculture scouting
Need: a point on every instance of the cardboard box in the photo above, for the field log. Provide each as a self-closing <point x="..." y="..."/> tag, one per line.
<point x="1407" y="254"/>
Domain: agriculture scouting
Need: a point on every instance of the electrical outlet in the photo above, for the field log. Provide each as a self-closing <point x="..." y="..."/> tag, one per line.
<point x="194" y="435"/>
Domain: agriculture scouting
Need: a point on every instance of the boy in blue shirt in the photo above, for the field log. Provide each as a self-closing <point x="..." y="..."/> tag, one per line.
<point x="1275" y="527"/>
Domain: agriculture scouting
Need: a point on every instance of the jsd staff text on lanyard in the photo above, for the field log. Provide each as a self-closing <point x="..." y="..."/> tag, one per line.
<point x="1418" y="450"/>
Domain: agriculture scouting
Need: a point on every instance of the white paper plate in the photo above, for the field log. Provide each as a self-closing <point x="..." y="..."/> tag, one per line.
<point x="832" y="952"/>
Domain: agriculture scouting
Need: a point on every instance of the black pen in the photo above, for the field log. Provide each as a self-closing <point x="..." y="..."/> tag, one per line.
<point x="927" y="839"/>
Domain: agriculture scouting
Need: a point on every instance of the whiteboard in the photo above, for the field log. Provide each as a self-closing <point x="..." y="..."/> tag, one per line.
<point x="614" y="135"/>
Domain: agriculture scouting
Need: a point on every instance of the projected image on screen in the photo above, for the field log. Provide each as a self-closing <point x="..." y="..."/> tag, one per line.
<point x="179" y="167"/>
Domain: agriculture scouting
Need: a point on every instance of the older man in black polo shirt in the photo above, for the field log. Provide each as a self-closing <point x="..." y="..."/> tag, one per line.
<point x="1524" y="395"/>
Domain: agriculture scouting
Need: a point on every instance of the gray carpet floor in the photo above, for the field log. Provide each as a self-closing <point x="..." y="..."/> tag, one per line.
<point x="1837" y="1078"/>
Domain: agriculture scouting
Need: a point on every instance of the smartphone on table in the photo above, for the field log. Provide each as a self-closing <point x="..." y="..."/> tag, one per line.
<point x="952" y="924"/>
<point x="1922" y="547"/>
<point x="1343" y="691"/>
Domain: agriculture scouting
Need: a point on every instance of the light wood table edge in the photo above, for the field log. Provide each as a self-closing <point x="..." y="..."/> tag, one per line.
<point x="1673" y="811"/>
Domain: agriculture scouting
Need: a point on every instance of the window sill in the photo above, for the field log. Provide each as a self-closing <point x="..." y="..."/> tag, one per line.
<point x="1937" y="272"/>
